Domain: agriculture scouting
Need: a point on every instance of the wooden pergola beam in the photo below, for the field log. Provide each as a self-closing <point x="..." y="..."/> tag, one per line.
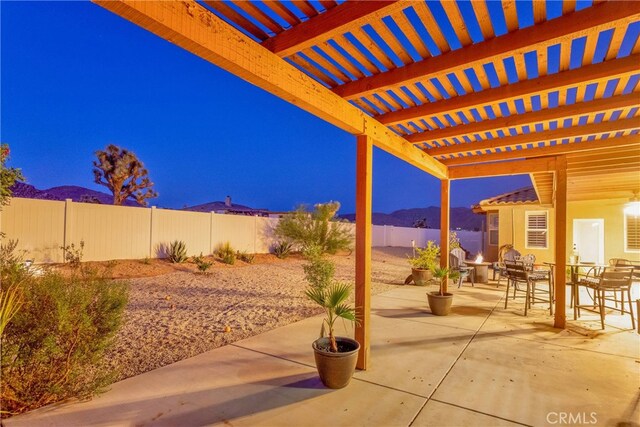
<point x="518" y="167"/>
<point x="596" y="73"/>
<point x="335" y="21"/>
<point x="536" y="137"/>
<point x="527" y="119"/>
<point x="554" y="150"/>
<point x="588" y="21"/>
<point x="560" y="204"/>
<point x="192" y="27"/>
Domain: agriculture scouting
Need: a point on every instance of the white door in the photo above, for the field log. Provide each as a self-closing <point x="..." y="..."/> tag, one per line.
<point x="588" y="236"/>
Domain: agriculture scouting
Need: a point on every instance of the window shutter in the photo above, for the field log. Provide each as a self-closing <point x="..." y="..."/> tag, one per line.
<point x="633" y="233"/>
<point x="536" y="230"/>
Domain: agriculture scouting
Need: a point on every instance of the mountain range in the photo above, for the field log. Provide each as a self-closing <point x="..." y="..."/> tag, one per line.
<point x="460" y="218"/>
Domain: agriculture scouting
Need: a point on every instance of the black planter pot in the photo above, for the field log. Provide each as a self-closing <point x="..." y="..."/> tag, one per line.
<point x="336" y="369"/>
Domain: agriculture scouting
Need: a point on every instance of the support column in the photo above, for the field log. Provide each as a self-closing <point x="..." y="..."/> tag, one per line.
<point x="561" y="242"/>
<point x="364" y="161"/>
<point x="444" y="224"/>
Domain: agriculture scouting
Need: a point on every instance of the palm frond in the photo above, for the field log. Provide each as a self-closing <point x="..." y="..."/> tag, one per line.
<point x="337" y="294"/>
<point x="345" y="311"/>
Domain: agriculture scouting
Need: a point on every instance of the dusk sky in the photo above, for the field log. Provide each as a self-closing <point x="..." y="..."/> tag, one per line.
<point x="76" y="77"/>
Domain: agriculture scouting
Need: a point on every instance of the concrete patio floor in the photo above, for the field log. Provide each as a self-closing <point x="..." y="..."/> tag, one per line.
<point x="483" y="365"/>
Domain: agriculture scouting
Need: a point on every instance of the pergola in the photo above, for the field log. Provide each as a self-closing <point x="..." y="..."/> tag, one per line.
<point x="459" y="89"/>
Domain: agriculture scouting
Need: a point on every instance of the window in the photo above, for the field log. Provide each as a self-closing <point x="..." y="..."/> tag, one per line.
<point x="492" y="229"/>
<point x="631" y="233"/>
<point x="536" y="229"/>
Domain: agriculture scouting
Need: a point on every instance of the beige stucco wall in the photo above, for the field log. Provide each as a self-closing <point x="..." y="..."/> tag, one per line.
<point x="512" y="227"/>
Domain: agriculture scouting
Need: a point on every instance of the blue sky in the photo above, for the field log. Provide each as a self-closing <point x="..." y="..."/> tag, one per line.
<point x="76" y="77"/>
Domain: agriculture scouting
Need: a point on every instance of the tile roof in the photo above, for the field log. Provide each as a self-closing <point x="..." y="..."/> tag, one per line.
<point x="521" y="196"/>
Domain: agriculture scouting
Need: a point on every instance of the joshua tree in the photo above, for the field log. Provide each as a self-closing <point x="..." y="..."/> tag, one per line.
<point x="120" y="171"/>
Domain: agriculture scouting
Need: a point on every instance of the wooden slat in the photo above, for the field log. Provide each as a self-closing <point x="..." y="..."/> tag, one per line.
<point x="568" y="6"/>
<point x="252" y="10"/>
<point x="589" y="49"/>
<point x="582" y="76"/>
<point x="539" y="11"/>
<point x="614" y="44"/>
<point x="328" y="4"/>
<point x="336" y="21"/>
<point x="312" y="70"/>
<point x="337" y="56"/>
<point x="306" y="8"/>
<point x="234" y="16"/>
<point x="282" y="11"/>
<point x="352" y="50"/>
<point x="532" y="138"/>
<point x="364" y="235"/>
<point x="484" y="19"/>
<point x="373" y="48"/>
<point x="383" y="31"/>
<point x="326" y="64"/>
<point x="529" y="119"/>
<point x="411" y="34"/>
<point x="431" y="25"/>
<point x="457" y="22"/>
<point x="510" y="14"/>
<point x="517" y="167"/>
<point x="195" y="29"/>
<point x="592" y="19"/>
<point x="590" y="146"/>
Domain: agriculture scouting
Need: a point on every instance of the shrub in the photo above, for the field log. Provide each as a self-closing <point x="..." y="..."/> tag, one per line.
<point x="318" y="271"/>
<point x="226" y="253"/>
<point x="282" y="249"/>
<point x="426" y="258"/>
<point x="73" y="255"/>
<point x="319" y="228"/>
<point x="201" y="263"/>
<point x="52" y="349"/>
<point x="177" y="252"/>
<point x="246" y="257"/>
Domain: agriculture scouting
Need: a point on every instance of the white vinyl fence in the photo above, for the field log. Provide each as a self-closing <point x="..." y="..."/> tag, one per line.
<point x="119" y="232"/>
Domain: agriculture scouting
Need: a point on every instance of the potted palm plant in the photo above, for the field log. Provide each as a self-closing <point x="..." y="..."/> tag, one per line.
<point x="440" y="301"/>
<point x="423" y="263"/>
<point x="335" y="356"/>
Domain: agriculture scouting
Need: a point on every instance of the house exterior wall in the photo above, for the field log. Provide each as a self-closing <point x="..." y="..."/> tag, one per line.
<point x="512" y="228"/>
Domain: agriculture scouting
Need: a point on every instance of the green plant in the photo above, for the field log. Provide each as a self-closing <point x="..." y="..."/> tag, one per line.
<point x="53" y="347"/>
<point x="73" y="255"/>
<point x="120" y="171"/>
<point x="443" y="275"/>
<point x="282" y="249"/>
<point x="326" y="292"/>
<point x="10" y="303"/>
<point x="226" y="253"/>
<point x="201" y="263"/>
<point x="246" y="257"/>
<point x="318" y="228"/>
<point x="177" y="252"/>
<point x="426" y="258"/>
<point x="146" y="261"/>
<point x="8" y="176"/>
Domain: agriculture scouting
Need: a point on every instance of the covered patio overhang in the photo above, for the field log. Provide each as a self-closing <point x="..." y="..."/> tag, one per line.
<point x="457" y="89"/>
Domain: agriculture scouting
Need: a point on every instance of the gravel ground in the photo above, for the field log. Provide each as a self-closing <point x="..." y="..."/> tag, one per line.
<point x="180" y="314"/>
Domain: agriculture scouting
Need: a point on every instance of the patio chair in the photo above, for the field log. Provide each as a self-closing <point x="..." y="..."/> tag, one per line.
<point x="499" y="266"/>
<point x="612" y="281"/>
<point x="457" y="265"/>
<point x="517" y="274"/>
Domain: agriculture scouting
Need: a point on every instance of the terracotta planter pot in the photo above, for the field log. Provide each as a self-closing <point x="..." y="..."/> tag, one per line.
<point x="440" y="305"/>
<point x="336" y="369"/>
<point x="421" y="276"/>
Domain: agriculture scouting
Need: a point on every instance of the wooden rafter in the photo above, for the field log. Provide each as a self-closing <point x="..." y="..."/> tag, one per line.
<point x="597" y="73"/>
<point x="536" y="137"/>
<point x="517" y="167"/>
<point x="197" y="30"/>
<point x="518" y="120"/>
<point x="590" y="20"/>
<point x="336" y="21"/>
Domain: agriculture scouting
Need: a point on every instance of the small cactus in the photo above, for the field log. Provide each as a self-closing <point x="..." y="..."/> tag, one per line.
<point x="177" y="252"/>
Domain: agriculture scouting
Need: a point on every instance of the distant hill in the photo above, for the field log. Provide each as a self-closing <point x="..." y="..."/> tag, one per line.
<point x="462" y="218"/>
<point x="73" y="192"/>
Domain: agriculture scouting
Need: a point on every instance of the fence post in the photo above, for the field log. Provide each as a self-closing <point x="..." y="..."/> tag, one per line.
<point x="211" y="249"/>
<point x="66" y="237"/>
<point x="151" y="215"/>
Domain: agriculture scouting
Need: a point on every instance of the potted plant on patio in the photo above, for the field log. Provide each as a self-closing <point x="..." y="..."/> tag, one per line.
<point x="440" y="301"/>
<point x="335" y="356"/>
<point x="423" y="263"/>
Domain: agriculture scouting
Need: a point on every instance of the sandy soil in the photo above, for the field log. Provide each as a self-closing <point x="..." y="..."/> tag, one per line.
<point x="175" y="312"/>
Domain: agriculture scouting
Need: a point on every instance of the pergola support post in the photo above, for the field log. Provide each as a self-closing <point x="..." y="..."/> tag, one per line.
<point x="364" y="160"/>
<point x="561" y="242"/>
<point x="445" y="186"/>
